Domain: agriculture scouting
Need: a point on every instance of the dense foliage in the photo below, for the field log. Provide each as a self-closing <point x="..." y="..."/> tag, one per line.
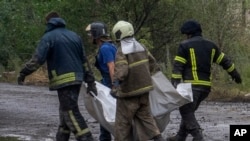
<point x="156" y="24"/>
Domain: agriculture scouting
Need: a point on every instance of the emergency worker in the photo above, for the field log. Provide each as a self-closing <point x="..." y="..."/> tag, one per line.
<point x="131" y="86"/>
<point x="192" y="64"/>
<point x="105" y="59"/>
<point x="63" y="51"/>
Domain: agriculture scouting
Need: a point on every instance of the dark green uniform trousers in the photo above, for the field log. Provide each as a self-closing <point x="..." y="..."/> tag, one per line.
<point x="71" y="119"/>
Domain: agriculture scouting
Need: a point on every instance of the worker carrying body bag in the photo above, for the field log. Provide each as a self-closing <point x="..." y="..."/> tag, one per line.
<point x="163" y="100"/>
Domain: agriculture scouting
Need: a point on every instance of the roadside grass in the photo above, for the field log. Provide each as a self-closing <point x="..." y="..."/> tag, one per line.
<point x="228" y="93"/>
<point x="39" y="77"/>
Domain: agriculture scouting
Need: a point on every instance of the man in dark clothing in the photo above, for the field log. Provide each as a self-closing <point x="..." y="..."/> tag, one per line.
<point x="63" y="51"/>
<point x="104" y="60"/>
<point x="192" y="64"/>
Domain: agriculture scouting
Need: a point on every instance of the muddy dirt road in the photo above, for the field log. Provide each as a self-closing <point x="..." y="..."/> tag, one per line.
<point x="31" y="114"/>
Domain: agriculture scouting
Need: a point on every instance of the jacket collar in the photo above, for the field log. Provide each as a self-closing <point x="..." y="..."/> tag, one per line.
<point x="55" y="23"/>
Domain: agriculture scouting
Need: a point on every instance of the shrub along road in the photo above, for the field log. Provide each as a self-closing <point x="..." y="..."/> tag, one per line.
<point x="31" y="114"/>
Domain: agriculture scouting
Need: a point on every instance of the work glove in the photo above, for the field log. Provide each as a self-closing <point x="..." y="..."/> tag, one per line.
<point x="20" y="79"/>
<point x="89" y="77"/>
<point x="23" y="73"/>
<point x="91" y="88"/>
<point x="175" y="82"/>
<point x="235" y="76"/>
<point x="114" y="89"/>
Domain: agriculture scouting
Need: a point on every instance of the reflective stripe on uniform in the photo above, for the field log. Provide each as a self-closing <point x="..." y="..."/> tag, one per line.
<point x="121" y="61"/>
<point x="138" y="63"/>
<point x="180" y="59"/>
<point x="57" y="80"/>
<point x="61" y="130"/>
<point x="76" y="125"/>
<point x="212" y="58"/>
<point x="138" y="90"/>
<point x="220" y="58"/>
<point x="194" y="65"/>
<point x="198" y="82"/>
<point x="231" y="68"/>
<point x="212" y="55"/>
<point x="177" y="76"/>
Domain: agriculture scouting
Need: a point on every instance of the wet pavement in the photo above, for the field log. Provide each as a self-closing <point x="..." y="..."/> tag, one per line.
<point x="30" y="113"/>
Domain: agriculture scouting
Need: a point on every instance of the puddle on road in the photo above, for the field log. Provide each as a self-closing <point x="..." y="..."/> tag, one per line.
<point x="8" y="139"/>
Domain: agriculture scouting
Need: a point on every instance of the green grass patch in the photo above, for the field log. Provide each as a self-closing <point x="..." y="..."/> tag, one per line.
<point x="8" y="139"/>
<point x="228" y="92"/>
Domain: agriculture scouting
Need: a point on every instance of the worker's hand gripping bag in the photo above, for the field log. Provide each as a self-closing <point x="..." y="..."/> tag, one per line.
<point x="164" y="98"/>
<point x="102" y="107"/>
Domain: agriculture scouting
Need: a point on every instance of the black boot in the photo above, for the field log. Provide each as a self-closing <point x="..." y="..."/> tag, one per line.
<point x="85" y="137"/>
<point x="62" y="136"/>
<point x="181" y="135"/>
<point x="177" y="138"/>
<point x="158" y="138"/>
<point x="197" y="135"/>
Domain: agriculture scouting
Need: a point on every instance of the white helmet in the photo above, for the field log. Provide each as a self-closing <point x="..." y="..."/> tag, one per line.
<point x="122" y="29"/>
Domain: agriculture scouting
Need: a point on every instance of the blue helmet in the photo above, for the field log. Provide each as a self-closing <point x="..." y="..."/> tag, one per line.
<point x="191" y="27"/>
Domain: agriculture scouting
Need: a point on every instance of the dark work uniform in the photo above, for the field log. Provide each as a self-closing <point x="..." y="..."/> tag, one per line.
<point x="193" y="64"/>
<point x="63" y="51"/>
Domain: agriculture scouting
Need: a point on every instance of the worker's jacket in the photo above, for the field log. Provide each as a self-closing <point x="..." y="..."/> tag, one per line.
<point x="133" y="70"/>
<point x="63" y="51"/>
<point x="194" y="60"/>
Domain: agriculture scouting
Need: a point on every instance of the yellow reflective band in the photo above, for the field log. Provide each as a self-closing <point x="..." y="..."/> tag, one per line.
<point x="53" y="72"/>
<point x="76" y="125"/>
<point x="212" y="55"/>
<point x="57" y="80"/>
<point x="220" y="58"/>
<point x="139" y="90"/>
<point x="193" y="61"/>
<point x="198" y="82"/>
<point x="231" y="68"/>
<point x="176" y="76"/>
<point x="138" y="63"/>
<point x="84" y="131"/>
<point x="180" y="59"/>
<point x="121" y="61"/>
<point x="212" y="59"/>
<point x="64" y="131"/>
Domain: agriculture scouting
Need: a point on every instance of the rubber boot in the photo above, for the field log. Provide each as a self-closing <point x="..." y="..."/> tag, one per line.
<point x="177" y="138"/>
<point x="62" y="136"/>
<point x="85" y="137"/>
<point x="181" y="134"/>
<point x="158" y="138"/>
<point x="197" y="135"/>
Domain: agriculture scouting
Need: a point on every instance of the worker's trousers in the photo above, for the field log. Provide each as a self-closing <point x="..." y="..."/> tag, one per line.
<point x="71" y="119"/>
<point x="187" y="111"/>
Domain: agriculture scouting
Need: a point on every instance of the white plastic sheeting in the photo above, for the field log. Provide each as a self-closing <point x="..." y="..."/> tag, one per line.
<point x="163" y="100"/>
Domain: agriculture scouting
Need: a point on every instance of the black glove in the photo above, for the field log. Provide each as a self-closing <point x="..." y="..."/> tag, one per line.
<point x="89" y="77"/>
<point x="91" y="88"/>
<point x="20" y="79"/>
<point x="23" y="73"/>
<point x="175" y="82"/>
<point x="235" y="76"/>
